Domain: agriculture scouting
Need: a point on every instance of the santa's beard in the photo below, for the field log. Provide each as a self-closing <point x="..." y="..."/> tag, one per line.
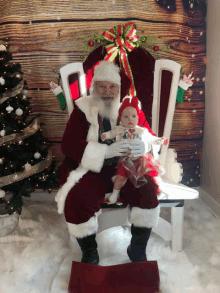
<point x="108" y="108"/>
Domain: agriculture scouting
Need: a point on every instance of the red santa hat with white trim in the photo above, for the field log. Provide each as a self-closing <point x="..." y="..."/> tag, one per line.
<point x="107" y="71"/>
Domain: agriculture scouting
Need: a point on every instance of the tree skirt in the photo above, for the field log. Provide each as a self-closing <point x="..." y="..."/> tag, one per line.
<point x="8" y="223"/>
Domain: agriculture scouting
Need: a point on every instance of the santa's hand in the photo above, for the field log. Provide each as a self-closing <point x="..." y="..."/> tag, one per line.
<point x="138" y="148"/>
<point x="104" y="136"/>
<point x="117" y="149"/>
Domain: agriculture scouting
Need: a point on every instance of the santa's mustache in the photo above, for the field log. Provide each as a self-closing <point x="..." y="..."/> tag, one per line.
<point x="107" y="97"/>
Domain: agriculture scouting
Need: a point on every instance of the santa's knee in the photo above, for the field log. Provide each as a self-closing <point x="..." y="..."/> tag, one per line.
<point x="81" y="231"/>
<point x="146" y="218"/>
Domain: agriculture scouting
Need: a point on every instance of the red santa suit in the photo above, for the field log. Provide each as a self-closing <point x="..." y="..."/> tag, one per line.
<point x="86" y="179"/>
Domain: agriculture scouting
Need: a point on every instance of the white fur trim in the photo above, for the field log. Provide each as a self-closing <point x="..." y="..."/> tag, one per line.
<point x="89" y="107"/>
<point x="146" y="218"/>
<point x="107" y="71"/>
<point x="57" y="90"/>
<point x="94" y="155"/>
<point x="183" y="85"/>
<point x="72" y="179"/>
<point x="85" y="229"/>
<point x="93" y="133"/>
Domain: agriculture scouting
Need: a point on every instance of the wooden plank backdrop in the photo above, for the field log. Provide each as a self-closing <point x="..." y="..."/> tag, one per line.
<point x="48" y="34"/>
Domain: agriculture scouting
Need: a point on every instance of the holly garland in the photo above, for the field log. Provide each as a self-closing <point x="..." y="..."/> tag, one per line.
<point x="118" y="42"/>
<point x="150" y="43"/>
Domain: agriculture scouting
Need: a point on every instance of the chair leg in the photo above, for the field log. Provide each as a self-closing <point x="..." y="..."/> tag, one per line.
<point x="177" y="221"/>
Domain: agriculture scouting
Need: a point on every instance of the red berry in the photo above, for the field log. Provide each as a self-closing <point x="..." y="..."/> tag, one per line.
<point x="156" y="48"/>
<point x="91" y="43"/>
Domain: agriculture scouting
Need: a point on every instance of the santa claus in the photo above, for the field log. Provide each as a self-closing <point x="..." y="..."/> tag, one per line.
<point x="90" y="164"/>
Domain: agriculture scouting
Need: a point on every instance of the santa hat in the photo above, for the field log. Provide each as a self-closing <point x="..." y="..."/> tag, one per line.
<point x="107" y="71"/>
<point x="129" y="101"/>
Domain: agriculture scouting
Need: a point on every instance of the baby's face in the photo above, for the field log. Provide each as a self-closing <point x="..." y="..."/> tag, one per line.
<point x="129" y="117"/>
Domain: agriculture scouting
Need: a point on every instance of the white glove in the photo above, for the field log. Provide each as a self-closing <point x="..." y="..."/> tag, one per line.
<point x="117" y="149"/>
<point x="138" y="148"/>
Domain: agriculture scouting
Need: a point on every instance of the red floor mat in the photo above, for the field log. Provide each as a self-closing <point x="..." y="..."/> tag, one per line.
<point x="140" y="277"/>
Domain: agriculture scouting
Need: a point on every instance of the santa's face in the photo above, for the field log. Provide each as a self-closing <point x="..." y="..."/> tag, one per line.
<point x="107" y="91"/>
<point x="129" y="117"/>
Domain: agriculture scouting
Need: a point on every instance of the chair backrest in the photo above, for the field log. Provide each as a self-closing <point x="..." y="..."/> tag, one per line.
<point x="160" y="65"/>
<point x="174" y="67"/>
<point x="65" y="72"/>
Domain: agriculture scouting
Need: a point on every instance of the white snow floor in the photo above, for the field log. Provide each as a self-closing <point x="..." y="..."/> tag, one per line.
<point x="36" y="257"/>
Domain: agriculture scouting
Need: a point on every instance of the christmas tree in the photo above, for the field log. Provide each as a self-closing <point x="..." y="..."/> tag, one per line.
<point x="26" y="161"/>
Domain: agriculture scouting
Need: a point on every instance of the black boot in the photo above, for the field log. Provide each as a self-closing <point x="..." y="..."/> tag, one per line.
<point x="89" y="246"/>
<point x="136" y="249"/>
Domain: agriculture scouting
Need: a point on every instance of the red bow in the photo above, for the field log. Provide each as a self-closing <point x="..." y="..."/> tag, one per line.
<point x="122" y="38"/>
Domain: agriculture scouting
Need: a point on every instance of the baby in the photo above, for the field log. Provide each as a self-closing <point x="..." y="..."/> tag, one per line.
<point x="128" y="166"/>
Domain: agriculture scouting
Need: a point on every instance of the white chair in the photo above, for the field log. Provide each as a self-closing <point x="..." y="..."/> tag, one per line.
<point x="173" y="193"/>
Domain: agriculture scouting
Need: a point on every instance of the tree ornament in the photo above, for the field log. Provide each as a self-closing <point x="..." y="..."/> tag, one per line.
<point x="43" y="178"/>
<point x="9" y="109"/>
<point x="18" y="75"/>
<point x="24" y="91"/>
<point x="98" y="41"/>
<point x="19" y="112"/>
<point x="2" y="81"/>
<point x="37" y="155"/>
<point x="58" y="92"/>
<point x="91" y="43"/>
<point x="2" y="48"/>
<point x="1" y="161"/>
<point x="2" y="193"/>
<point x="27" y="167"/>
<point x="2" y="132"/>
<point x="156" y="48"/>
<point x="184" y="84"/>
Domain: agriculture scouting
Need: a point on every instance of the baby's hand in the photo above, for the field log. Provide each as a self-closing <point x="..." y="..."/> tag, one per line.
<point x="103" y="136"/>
<point x="165" y="141"/>
<point x="159" y="141"/>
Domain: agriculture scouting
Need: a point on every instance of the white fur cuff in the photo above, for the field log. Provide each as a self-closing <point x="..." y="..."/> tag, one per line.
<point x="94" y="155"/>
<point x="145" y="218"/>
<point x="85" y="229"/>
